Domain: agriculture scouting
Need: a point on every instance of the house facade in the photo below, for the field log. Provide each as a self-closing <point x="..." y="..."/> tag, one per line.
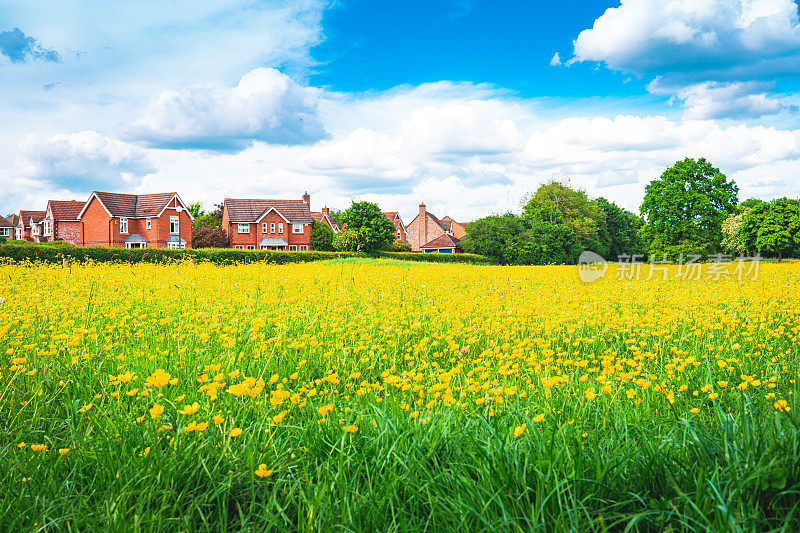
<point x="136" y="221"/>
<point x="426" y="228"/>
<point x="261" y="224"/>
<point x="6" y="228"/>
<point x="27" y="228"/>
<point x="400" y="233"/>
<point x="60" y="222"/>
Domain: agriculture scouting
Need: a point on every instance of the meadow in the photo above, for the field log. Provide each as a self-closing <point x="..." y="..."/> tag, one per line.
<point x="381" y="395"/>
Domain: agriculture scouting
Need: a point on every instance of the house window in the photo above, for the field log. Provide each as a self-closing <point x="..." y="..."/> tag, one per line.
<point x="398" y="235"/>
<point x="251" y="247"/>
<point x="46" y="228"/>
<point x="239" y="247"/>
<point x="244" y="228"/>
<point x="280" y="227"/>
<point x="147" y="223"/>
<point x="303" y="248"/>
<point x="272" y="227"/>
<point x="174" y="224"/>
<point x="263" y="227"/>
<point x="173" y="245"/>
<point x="297" y="228"/>
<point x="123" y="225"/>
<point x="19" y="234"/>
<point x="292" y="248"/>
<point x="4" y="232"/>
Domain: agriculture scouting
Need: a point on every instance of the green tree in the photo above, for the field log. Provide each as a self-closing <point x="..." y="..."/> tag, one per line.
<point x="214" y="218"/>
<point x="772" y="227"/>
<point x="195" y="209"/>
<point x="321" y="237"/>
<point x="496" y="237"/>
<point x="368" y="229"/>
<point x="622" y="230"/>
<point x="686" y="206"/>
<point x="557" y="203"/>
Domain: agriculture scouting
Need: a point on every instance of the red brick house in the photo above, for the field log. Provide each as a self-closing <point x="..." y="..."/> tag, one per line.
<point x="136" y="221"/>
<point x="399" y="228"/>
<point x="426" y="228"/>
<point x="324" y="216"/>
<point x="6" y="228"/>
<point x="60" y="222"/>
<point x="27" y="228"/>
<point x="253" y="224"/>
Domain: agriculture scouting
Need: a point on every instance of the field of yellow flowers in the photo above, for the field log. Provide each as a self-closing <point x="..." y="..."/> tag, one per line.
<point x="370" y="395"/>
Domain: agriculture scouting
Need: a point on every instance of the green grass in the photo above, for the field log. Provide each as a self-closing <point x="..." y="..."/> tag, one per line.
<point x="609" y="464"/>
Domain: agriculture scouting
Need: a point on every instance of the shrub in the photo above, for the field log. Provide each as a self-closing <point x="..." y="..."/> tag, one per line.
<point x="209" y="237"/>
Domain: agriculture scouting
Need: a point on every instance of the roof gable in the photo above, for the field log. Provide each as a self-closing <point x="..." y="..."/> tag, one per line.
<point x="27" y="216"/>
<point x="246" y="210"/>
<point x="443" y="241"/>
<point x="5" y="223"/>
<point x="65" y="209"/>
<point x="121" y="205"/>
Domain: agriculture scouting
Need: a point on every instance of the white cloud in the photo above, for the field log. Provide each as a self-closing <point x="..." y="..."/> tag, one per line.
<point x="556" y="60"/>
<point x="266" y="106"/>
<point x="80" y="161"/>
<point x="728" y="100"/>
<point x="699" y="48"/>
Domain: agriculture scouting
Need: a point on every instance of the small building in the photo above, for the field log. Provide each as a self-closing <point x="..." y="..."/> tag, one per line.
<point x="136" y="221"/>
<point x="6" y="228"/>
<point x="61" y="223"/>
<point x="27" y="228"/>
<point x="399" y="228"/>
<point x="426" y="227"/>
<point x="263" y="224"/>
<point x="444" y="244"/>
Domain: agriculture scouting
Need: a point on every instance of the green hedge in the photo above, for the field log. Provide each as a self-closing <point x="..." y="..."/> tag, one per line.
<point x="438" y="258"/>
<point x="32" y="252"/>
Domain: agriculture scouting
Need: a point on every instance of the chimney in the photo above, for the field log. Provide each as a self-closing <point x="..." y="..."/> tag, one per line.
<point x="307" y="199"/>
<point x="422" y="237"/>
<point x="325" y="210"/>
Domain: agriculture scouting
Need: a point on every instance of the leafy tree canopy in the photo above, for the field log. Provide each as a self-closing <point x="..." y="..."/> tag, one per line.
<point x="368" y="229"/>
<point x="686" y="206"/>
<point x="321" y="237"/>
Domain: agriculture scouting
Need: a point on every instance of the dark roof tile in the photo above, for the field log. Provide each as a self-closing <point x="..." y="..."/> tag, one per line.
<point x="250" y="210"/>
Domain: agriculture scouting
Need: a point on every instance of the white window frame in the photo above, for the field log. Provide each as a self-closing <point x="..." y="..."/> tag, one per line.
<point x="280" y="227"/>
<point x="263" y="227"/>
<point x="303" y="247"/>
<point x="251" y="247"/>
<point x="292" y="247"/>
<point x="238" y="246"/>
<point x="296" y="227"/>
<point x="18" y="234"/>
<point x="246" y="228"/>
<point x="147" y="223"/>
<point x="177" y="225"/>
<point x="272" y="227"/>
<point x="123" y="225"/>
<point x="5" y="232"/>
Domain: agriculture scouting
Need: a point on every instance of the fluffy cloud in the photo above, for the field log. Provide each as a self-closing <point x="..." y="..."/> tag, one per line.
<point x="82" y="161"/>
<point x="699" y="48"/>
<point x="266" y="106"/>
<point x="21" y="48"/>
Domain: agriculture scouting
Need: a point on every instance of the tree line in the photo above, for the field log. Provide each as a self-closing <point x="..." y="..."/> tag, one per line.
<point x="692" y="209"/>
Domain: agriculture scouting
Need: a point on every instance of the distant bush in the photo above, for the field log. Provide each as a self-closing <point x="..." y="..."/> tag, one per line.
<point x="399" y="246"/>
<point x="437" y="258"/>
<point x="209" y="237"/>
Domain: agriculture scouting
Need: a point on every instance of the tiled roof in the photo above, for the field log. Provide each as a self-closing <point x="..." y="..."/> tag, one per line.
<point x="14" y="219"/>
<point x="316" y="215"/>
<point x="443" y="241"/>
<point x="5" y="223"/>
<point x="65" y="209"/>
<point x="26" y="216"/>
<point x="134" y="205"/>
<point x="250" y="210"/>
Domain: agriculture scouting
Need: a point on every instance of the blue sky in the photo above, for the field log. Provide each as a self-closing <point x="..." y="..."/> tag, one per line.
<point x="461" y="104"/>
